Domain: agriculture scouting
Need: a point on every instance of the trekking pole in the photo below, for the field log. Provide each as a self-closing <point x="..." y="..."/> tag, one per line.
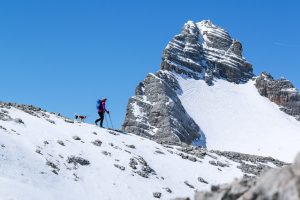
<point x="111" y="121"/>
<point x="106" y="120"/>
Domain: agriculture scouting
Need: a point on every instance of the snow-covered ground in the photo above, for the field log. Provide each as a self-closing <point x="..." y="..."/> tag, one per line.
<point x="235" y="117"/>
<point x="35" y="164"/>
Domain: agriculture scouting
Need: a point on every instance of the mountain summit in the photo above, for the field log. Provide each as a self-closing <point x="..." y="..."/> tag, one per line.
<point x="206" y="49"/>
<point x="206" y="94"/>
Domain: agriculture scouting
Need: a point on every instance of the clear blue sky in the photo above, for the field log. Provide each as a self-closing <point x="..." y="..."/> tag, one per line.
<point x="63" y="55"/>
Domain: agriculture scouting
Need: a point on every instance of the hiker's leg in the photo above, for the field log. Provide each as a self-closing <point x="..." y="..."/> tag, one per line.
<point x="97" y="120"/>
<point x="101" y="118"/>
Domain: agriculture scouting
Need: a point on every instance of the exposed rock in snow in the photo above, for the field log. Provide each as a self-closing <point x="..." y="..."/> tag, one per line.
<point x="281" y="92"/>
<point x="275" y="184"/>
<point x="78" y="160"/>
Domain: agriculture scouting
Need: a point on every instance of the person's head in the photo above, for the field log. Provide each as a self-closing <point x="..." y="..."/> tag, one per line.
<point x="104" y="99"/>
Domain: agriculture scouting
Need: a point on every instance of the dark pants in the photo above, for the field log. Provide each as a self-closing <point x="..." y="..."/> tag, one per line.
<point x="101" y="114"/>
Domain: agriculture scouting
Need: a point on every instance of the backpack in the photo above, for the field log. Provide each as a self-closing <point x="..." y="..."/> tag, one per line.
<point x="99" y="104"/>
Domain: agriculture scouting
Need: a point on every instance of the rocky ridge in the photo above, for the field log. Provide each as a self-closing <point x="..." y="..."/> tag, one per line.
<point x="281" y="91"/>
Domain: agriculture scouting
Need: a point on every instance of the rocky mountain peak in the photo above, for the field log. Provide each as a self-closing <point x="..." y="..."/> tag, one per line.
<point x="206" y="49"/>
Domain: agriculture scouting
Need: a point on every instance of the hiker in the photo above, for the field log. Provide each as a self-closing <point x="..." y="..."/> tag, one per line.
<point x="101" y="111"/>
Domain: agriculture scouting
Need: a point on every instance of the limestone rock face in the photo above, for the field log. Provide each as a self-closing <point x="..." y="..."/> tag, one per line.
<point x="274" y="184"/>
<point x="156" y="111"/>
<point x="204" y="48"/>
<point x="281" y="92"/>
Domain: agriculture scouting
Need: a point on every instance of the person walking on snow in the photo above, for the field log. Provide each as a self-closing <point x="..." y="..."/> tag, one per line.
<point x="101" y="111"/>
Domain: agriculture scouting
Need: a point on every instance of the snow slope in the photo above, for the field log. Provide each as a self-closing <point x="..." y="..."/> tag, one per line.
<point x="235" y="117"/>
<point x="35" y="147"/>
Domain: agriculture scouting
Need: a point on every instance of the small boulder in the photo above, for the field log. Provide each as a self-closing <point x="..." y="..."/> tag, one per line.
<point x="78" y="160"/>
<point x="119" y="167"/>
<point x="60" y="142"/>
<point x="18" y="121"/>
<point x="97" y="143"/>
<point x="75" y="137"/>
<point x="131" y="146"/>
<point x="157" y="195"/>
<point x="200" y="179"/>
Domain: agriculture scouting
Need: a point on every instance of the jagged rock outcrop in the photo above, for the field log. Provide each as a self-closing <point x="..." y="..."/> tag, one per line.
<point x="156" y="111"/>
<point x="206" y="49"/>
<point x="274" y="184"/>
<point x="281" y="92"/>
<point x="201" y="51"/>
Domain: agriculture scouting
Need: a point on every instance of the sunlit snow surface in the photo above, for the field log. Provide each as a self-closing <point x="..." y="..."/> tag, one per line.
<point x="24" y="174"/>
<point x="235" y="117"/>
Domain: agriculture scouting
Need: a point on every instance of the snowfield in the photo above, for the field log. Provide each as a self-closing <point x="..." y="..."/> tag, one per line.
<point x="46" y="156"/>
<point x="35" y="164"/>
<point x="235" y="117"/>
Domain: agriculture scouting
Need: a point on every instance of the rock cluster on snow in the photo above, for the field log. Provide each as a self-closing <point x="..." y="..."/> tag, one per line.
<point x="282" y="183"/>
<point x="281" y="92"/>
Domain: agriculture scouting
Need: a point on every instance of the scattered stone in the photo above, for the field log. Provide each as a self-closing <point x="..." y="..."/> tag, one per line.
<point x="133" y="163"/>
<point x="94" y="133"/>
<point x="76" y="177"/>
<point x="97" y="143"/>
<point x="200" y="179"/>
<point x="3" y="128"/>
<point x="4" y="111"/>
<point x="69" y="121"/>
<point x="38" y="151"/>
<point x="18" y="121"/>
<point x="60" y="142"/>
<point x="219" y="163"/>
<point x="157" y="195"/>
<point x="76" y="137"/>
<point x="46" y="142"/>
<point x="193" y="159"/>
<point x="212" y="162"/>
<point x="168" y="190"/>
<point x="111" y="144"/>
<point x="189" y="185"/>
<point x="113" y="133"/>
<point x="145" y="170"/>
<point x="183" y="156"/>
<point x="131" y="146"/>
<point x="159" y="152"/>
<point x="127" y="151"/>
<point x="78" y="160"/>
<point x="119" y="167"/>
<point x="52" y="165"/>
<point x="106" y="153"/>
<point x="2" y="145"/>
<point x="51" y="121"/>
